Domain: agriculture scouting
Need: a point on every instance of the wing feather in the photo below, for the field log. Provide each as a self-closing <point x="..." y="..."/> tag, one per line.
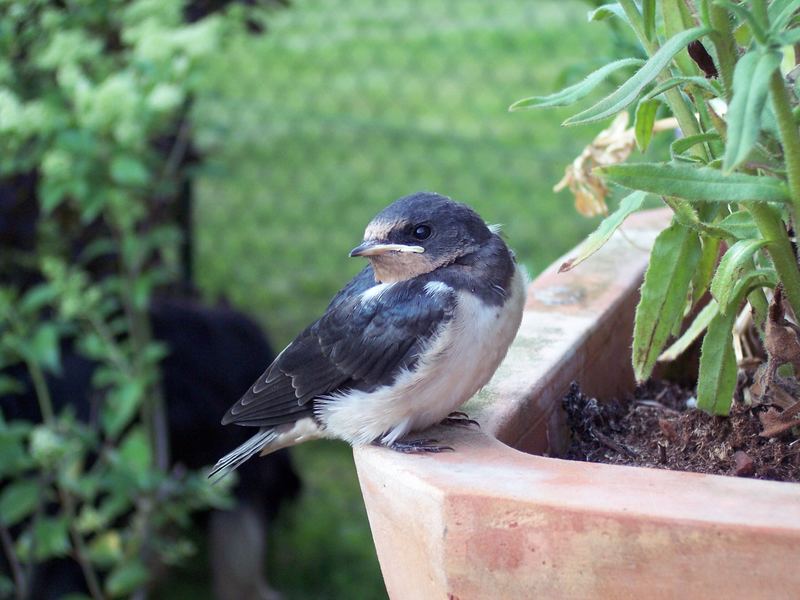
<point x="358" y="343"/>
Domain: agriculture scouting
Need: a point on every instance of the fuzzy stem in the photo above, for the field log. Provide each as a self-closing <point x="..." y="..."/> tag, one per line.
<point x="790" y="138"/>
<point x="780" y="250"/>
<point x="725" y="45"/>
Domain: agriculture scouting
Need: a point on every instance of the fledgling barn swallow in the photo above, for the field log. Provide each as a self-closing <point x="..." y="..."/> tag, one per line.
<point x="410" y="339"/>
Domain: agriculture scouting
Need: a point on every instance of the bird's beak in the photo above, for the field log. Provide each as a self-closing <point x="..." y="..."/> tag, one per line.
<point x="373" y="248"/>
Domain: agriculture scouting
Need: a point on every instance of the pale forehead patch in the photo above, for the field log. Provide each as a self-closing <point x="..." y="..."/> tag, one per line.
<point x="495" y="227"/>
<point x="379" y="229"/>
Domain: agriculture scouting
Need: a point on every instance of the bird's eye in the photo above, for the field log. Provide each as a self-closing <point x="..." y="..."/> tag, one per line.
<point x="421" y="232"/>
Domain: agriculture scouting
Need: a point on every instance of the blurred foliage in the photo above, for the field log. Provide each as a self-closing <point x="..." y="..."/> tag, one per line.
<point x="344" y="107"/>
<point x="92" y="103"/>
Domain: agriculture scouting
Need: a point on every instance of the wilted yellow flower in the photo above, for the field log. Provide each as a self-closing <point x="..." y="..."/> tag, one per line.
<point x="611" y="146"/>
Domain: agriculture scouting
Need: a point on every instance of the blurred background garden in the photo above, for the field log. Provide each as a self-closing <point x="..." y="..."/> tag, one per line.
<point x="233" y="153"/>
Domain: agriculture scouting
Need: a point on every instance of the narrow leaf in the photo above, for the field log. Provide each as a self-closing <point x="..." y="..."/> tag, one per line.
<point x="629" y="91"/>
<point x="693" y="332"/>
<point x="126" y="577"/>
<point x="18" y="500"/>
<point x="780" y="13"/>
<point x="666" y="283"/>
<point x="717" y="378"/>
<point x="681" y="145"/>
<point x="746" y="15"/>
<point x="737" y="260"/>
<point x="696" y="184"/>
<point x="575" y="92"/>
<point x="750" y="88"/>
<point x="705" y="266"/>
<point x="740" y="225"/>
<point x="606" y="11"/>
<point x="643" y="122"/>
<point x="628" y="205"/>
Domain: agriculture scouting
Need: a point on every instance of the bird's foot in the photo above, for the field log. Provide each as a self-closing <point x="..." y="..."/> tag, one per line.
<point x="460" y="419"/>
<point x="417" y="446"/>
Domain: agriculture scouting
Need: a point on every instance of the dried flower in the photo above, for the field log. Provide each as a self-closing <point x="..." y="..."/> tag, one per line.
<point x="611" y="146"/>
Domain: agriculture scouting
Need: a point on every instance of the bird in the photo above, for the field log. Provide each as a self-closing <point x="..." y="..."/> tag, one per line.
<point x="415" y="334"/>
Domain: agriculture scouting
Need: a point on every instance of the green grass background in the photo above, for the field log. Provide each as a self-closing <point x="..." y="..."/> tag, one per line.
<point x="339" y="109"/>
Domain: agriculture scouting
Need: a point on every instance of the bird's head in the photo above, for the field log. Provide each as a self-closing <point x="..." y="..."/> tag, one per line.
<point x="419" y="233"/>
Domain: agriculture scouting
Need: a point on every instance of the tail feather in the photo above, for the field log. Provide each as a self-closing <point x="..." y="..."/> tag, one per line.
<point x="235" y="458"/>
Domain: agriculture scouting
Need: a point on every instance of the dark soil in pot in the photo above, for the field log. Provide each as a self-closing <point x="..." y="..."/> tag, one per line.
<point x="654" y="428"/>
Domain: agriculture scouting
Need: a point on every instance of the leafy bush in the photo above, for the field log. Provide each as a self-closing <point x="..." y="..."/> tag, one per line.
<point x="732" y="181"/>
<point x="94" y="138"/>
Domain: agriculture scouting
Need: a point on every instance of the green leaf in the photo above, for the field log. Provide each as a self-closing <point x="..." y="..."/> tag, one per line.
<point x="606" y="11"/>
<point x="681" y="145"/>
<point x="129" y="170"/>
<point x="740" y="225"/>
<point x="693" y="332"/>
<point x="121" y="406"/>
<point x="705" y="267"/>
<point x="737" y="261"/>
<point x="666" y="284"/>
<point x="628" y="205"/>
<point x="696" y="184"/>
<point x="51" y="538"/>
<point x="717" y="378"/>
<point x="105" y="549"/>
<point x="746" y="15"/>
<point x="135" y="451"/>
<point x="575" y="92"/>
<point x="44" y="347"/>
<point x="37" y="298"/>
<point x="629" y="91"/>
<point x="750" y="89"/>
<point x="18" y="500"/>
<point x="643" y="122"/>
<point x="780" y="13"/>
<point x="126" y="577"/>
<point x="788" y="38"/>
<point x="672" y="82"/>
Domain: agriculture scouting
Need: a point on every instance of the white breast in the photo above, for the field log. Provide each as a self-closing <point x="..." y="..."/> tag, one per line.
<point x="460" y="361"/>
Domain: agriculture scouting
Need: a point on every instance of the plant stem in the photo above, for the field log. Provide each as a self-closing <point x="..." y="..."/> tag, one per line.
<point x="81" y="554"/>
<point x="725" y="45"/>
<point x="780" y="250"/>
<point x="790" y="139"/>
<point x="42" y="391"/>
<point x="20" y="587"/>
<point x="683" y="113"/>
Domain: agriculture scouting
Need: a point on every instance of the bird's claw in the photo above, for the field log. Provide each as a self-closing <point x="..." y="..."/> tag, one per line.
<point x="418" y="446"/>
<point x="460" y="419"/>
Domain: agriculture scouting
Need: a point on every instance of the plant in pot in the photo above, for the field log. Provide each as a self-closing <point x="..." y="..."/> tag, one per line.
<point x="490" y="521"/>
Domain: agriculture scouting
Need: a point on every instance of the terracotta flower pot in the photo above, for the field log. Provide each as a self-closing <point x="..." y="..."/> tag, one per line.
<point x="494" y="520"/>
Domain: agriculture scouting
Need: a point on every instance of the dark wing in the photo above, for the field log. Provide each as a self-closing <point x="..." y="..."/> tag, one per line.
<point x="356" y="344"/>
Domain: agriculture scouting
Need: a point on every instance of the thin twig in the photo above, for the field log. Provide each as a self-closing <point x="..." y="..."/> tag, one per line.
<point x="20" y="586"/>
